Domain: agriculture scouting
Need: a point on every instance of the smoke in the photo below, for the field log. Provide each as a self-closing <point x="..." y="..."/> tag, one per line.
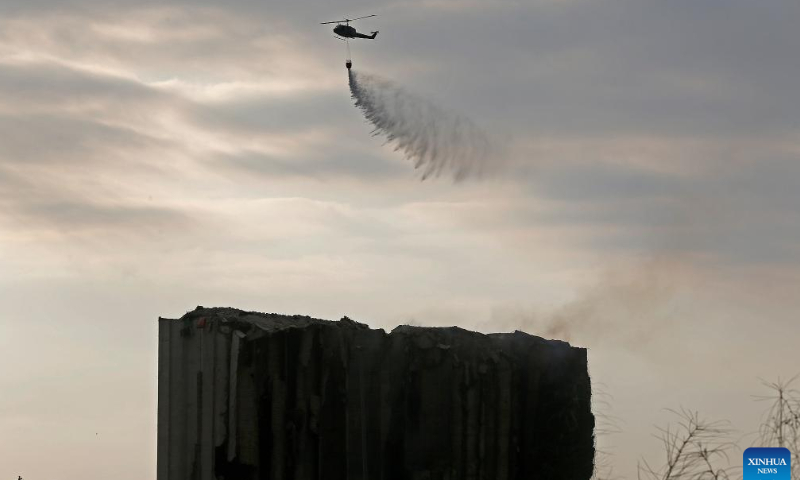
<point x="435" y="140"/>
<point x="628" y="306"/>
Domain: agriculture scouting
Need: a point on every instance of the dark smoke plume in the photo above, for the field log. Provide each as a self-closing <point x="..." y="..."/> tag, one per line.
<point x="435" y="140"/>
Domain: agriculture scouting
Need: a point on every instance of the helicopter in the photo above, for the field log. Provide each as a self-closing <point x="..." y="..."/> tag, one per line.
<point x="344" y="31"/>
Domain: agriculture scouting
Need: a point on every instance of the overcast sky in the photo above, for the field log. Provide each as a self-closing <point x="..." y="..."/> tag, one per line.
<point x="155" y="156"/>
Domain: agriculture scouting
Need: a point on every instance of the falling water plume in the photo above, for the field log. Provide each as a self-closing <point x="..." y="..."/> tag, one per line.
<point x="435" y="140"/>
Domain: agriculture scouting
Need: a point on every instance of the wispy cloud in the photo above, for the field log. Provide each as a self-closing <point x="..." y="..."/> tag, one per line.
<point x="160" y="155"/>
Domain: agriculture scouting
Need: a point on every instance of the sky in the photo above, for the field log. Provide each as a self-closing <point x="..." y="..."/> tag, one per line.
<point x="156" y="156"/>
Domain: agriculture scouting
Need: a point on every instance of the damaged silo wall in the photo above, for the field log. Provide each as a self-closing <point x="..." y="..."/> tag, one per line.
<point x="276" y="397"/>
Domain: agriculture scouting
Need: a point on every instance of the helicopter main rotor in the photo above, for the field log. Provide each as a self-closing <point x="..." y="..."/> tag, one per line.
<point x="347" y="20"/>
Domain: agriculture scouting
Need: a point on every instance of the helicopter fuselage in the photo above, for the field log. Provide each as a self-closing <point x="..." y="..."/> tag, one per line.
<point x="346" y="31"/>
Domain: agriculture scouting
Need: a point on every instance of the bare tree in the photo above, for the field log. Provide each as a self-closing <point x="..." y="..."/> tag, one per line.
<point x="606" y="425"/>
<point x="780" y="425"/>
<point x="694" y="449"/>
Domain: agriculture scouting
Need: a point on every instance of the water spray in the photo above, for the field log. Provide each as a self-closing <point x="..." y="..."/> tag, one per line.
<point x="435" y="140"/>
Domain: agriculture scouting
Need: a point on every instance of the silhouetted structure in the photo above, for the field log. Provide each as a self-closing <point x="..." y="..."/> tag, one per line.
<point x="263" y="396"/>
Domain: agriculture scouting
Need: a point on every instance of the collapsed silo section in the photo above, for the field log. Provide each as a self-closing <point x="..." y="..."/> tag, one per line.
<point x="261" y="396"/>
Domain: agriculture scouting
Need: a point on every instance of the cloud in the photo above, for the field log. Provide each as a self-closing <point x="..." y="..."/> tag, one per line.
<point x="60" y="142"/>
<point x="90" y="101"/>
<point x="73" y="216"/>
<point x="160" y="155"/>
<point x="85" y="149"/>
<point x="209" y="45"/>
<point x="349" y="164"/>
<point x="585" y="68"/>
